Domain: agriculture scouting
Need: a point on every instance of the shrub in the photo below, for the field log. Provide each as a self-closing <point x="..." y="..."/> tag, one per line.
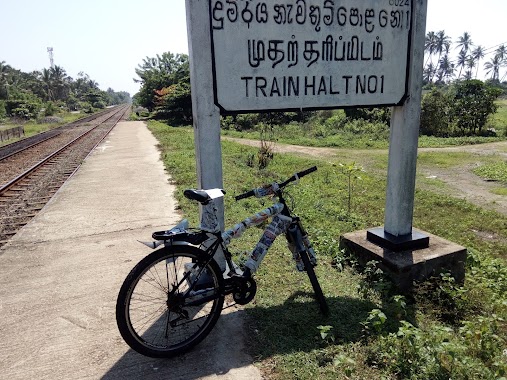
<point x="3" y="111"/>
<point x="336" y="121"/>
<point x="100" y="104"/>
<point x="464" y="110"/>
<point x="375" y="115"/>
<point x="472" y="103"/>
<point x="174" y="103"/>
<point x="436" y="114"/>
<point x="50" y="109"/>
<point x="23" y="108"/>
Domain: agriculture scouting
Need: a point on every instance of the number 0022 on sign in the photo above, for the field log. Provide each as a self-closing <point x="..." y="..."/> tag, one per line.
<point x="309" y="54"/>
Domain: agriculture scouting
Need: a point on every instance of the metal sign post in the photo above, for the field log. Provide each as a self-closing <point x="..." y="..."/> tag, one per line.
<point x="255" y="55"/>
<point x="206" y="115"/>
<point x="397" y="233"/>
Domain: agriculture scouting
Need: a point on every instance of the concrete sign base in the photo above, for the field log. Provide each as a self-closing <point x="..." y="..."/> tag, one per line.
<point x="414" y="240"/>
<point x="409" y="266"/>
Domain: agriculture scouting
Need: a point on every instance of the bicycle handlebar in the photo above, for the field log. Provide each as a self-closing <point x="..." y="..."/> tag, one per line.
<point x="262" y="191"/>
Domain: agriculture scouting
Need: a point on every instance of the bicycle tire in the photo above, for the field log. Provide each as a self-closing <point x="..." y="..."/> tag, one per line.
<point x="151" y="311"/>
<point x="319" y="295"/>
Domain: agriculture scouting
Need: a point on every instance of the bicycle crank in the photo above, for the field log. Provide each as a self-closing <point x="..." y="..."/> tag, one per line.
<point x="244" y="290"/>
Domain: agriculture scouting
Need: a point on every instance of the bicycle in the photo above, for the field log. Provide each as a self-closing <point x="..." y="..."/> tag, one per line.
<point x="172" y="298"/>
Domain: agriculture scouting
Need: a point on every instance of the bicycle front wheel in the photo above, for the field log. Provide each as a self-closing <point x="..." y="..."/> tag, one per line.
<point x="170" y="301"/>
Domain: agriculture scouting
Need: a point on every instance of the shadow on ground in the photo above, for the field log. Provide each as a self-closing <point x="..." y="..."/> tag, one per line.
<point x="226" y="351"/>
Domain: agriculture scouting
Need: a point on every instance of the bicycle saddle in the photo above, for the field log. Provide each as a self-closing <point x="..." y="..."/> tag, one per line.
<point x="197" y="195"/>
<point x="203" y="196"/>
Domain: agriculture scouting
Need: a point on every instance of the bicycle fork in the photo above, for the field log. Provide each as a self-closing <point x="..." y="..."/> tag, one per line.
<point x="299" y="244"/>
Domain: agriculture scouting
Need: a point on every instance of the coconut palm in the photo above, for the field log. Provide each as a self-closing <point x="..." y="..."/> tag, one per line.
<point x="464" y="42"/>
<point x="47" y="79"/>
<point x="4" y="70"/>
<point x="493" y="67"/>
<point x="442" y="43"/>
<point x="461" y="62"/>
<point x="60" y="81"/>
<point x="470" y="64"/>
<point x="501" y="52"/>
<point x="478" y="53"/>
<point x="429" y="45"/>
<point x="445" y="69"/>
<point x="428" y="72"/>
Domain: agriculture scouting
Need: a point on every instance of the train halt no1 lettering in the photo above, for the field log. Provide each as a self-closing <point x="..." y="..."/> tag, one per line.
<point x="309" y="54"/>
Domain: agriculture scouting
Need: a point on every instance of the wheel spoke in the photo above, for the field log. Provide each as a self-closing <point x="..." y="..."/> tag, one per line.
<point x="151" y="311"/>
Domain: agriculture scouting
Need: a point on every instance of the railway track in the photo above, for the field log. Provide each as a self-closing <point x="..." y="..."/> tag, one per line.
<point x="20" y="145"/>
<point x="39" y="169"/>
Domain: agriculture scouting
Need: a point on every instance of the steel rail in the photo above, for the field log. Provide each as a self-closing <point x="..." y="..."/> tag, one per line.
<point x="58" y="129"/>
<point x="29" y="146"/>
<point x="13" y="182"/>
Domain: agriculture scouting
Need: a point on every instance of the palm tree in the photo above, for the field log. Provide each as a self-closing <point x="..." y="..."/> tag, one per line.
<point x="445" y="69"/>
<point x="442" y="43"/>
<point x="428" y="73"/>
<point x="493" y="67"/>
<point x="4" y="70"/>
<point x="462" y="60"/>
<point x="429" y="45"/>
<point x="478" y="53"/>
<point x="465" y="42"/>
<point x="48" y="84"/>
<point x="501" y="52"/>
<point x="60" y="81"/>
<point x="92" y="84"/>
<point x="470" y="63"/>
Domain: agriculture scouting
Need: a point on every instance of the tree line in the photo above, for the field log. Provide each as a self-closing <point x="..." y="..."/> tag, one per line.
<point x="165" y="86"/>
<point x="25" y="95"/>
<point x="440" y="67"/>
<point x="454" y="103"/>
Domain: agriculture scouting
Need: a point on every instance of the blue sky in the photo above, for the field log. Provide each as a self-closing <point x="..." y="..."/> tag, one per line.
<point x="107" y="39"/>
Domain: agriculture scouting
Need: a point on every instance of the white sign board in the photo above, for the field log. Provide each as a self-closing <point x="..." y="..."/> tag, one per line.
<point x="309" y="54"/>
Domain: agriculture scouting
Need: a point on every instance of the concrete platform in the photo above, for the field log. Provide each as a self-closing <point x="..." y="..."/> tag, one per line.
<point x="60" y="275"/>
<point x="407" y="266"/>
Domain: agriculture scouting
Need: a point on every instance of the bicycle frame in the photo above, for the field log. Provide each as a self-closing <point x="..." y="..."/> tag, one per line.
<point x="212" y="241"/>
<point x="193" y="276"/>
<point x="283" y="223"/>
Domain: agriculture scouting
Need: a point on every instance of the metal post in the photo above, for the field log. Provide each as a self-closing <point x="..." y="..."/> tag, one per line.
<point x="404" y="135"/>
<point x="206" y="116"/>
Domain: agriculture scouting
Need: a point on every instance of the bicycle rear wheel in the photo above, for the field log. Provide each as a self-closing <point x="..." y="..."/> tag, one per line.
<point x="160" y="313"/>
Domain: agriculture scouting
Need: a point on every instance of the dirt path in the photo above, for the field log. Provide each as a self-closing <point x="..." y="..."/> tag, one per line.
<point x="459" y="180"/>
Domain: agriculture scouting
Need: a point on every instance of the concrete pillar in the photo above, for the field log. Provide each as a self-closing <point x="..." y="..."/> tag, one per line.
<point x="404" y="137"/>
<point x="206" y="115"/>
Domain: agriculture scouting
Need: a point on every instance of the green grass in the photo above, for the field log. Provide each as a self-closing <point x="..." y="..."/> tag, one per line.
<point x="446" y="159"/>
<point x="500" y="191"/>
<point x="498" y="121"/>
<point x="445" y="331"/>
<point x="496" y="171"/>
<point x="33" y="128"/>
<point x="298" y="136"/>
<point x="358" y="134"/>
